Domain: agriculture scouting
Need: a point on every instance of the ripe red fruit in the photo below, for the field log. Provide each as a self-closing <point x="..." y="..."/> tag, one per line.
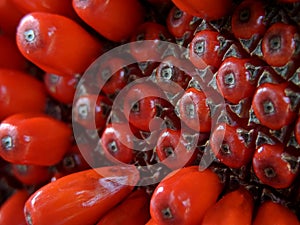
<point x="280" y="44"/>
<point x="275" y="167"/>
<point x="175" y="149"/>
<point x="171" y="76"/>
<point x="274" y="105"/>
<point x="207" y="49"/>
<point x="117" y="142"/>
<point x="10" y="57"/>
<point x="145" y="51"/>
<point x="194" y="110"/>
<point x="181" y="25"/>
<point x="233" y="208"/>
<point x="271" y="212"/>
<point x="82" y="197"/>
<point x="61" y="88"/>
<point x="144" y="105"/>
<point x="10" y="16"/>
<point x="205" y="9"/>
<point x="184" y="196"/>
<point x="84" y="114"/>
<point x="42" y="36"/>
<point x="132" y="210"/>
<point x="29" y="97"/>
<point x="31" y="174"/>
<point x="34" y="139"/>
<point x="116" y="20"/>
<point x="11" y="212"/>
<point x="51" y="6"/>
<point x="73" y="161"/>
<point x="248" y="20"/>
<point x="232" y="145"/>
<point x="113" y="75"/>
<point x="237" y="75"/>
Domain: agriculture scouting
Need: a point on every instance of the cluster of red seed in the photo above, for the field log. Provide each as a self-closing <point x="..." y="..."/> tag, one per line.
<point x="225" y="100"/>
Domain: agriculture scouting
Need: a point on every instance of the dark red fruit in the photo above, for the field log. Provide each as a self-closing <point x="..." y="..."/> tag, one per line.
<point x="233" y="208"/>
<point x="194" y="110"/>
<point x="279" y="213"/>
<point x="31" y="174"/>
<point x="171" y="76"/>
<point x="61" y="88"/>
<point x="274" y="105"/>
<point x="113" y="75"/>
<point x="117" y="142"/>
<point x="176" y="149"/>
<point x="184" y="196"/>
<point x="85" y="115"/>
<point x="237" y="78"/>
<point x="144" y="104"/>
<point x="144" y="51"/>
<point x="232" y="145"/>
<point x="248" y="20"/>
<point x="181" y="25"/>
<point x="280" y="44"/>
<point x="275" y="167"/>
<point x="207" y="49"/>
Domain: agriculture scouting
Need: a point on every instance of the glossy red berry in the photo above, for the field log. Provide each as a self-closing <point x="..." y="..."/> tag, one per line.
<point x="113" y="75"/>
<point x="73" y="161"/>
<point x="269" y="212"/>
<point x="145" y="51"/>
<point x="274" y="167"/>
<point x="10" y="16"/>
<point x="117" y="142"/>
<point x="181" y="25"/>
<point x="175" y="149"/>
<point x="51" y="6"/>
<point x="132" y="210"/>
<point x="61" y="88"/>
<point x="232" y="145"/>
<point x="10" y="56"/>
<point x="194" y="110"/>
<point x="171" y="76"/>
<point x="144" y="105"/>
<point x="82" y="197"/>
<point x="280" y="44"/>
<point x="207" y="49"/>
<point x="31" y="174"/>
<point x="116" y="20"/>
<point x="11" y="212"/>
<point x="274" y="105"/>
<point x="42" y="36"/>
<point x="184" y="196"/>
<point x="34" y="139"/>
<point x="235" y="207"/>
<point x="237" y="75"/>
<point x="205" y="9"/>
<point x="248" y="20"/>
<point x="91" y="111"/>
<point x="29" y="97"/>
